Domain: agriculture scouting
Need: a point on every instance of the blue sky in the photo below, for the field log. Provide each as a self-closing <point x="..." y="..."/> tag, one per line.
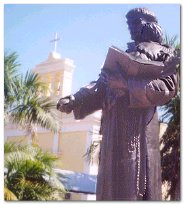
<point x="86" y="32"/>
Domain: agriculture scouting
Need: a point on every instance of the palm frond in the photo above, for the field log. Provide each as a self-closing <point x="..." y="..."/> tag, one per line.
<point x="30" y="175"/>
<point x="25" y="102"/>
<point x="171" y="41"/>
<point x="172" y="110"/>
<point x="36" y="110"/>
<point x="10" y="73"/>
<point x="92" y="151"/>
<point x="45" y="157"/>
<point x="8" y="195"/>
<point x="9" y="147"/>
<point x="33" y="83"/>
<point x="38" y="191"/>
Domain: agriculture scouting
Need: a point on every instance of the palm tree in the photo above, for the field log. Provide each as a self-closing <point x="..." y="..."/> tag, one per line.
<point x="170" y="153"/>
<point x="30" y="175"/>
<point x="25" y="102"/>
<point x="10" y="72"/>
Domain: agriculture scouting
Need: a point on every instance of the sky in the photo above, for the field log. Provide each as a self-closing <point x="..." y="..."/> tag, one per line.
<point x="86" y="31"/>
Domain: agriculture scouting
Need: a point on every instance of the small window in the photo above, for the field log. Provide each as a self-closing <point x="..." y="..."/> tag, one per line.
<point x="68" y="196"/>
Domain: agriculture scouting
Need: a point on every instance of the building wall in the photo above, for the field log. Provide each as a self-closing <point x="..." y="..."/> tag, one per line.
<point x="18" y="139"/>
<point x="45" y="141"/>
<point x="72" y="147"/>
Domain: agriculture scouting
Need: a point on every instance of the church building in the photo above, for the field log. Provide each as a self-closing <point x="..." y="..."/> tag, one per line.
<point x="75" y="137"/>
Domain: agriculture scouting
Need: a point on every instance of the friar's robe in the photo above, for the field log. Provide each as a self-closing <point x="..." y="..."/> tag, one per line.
<point x="123" y="168"/>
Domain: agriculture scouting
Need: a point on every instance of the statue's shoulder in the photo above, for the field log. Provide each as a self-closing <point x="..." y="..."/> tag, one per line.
<point x="154" y="50"/>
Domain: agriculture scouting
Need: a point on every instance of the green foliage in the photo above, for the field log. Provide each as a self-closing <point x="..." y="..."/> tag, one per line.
<point x="91" y="152"/>
<point x="170" y="153"/>
<point x="172" y="41"/>
<point x="8" y="195"/>
<point x="25" y="101"/>
<point x="30" y="174"/>
<point x="10" y="72"/>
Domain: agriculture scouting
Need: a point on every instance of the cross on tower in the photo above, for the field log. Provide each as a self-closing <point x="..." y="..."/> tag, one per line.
<point x="55" y="40"/>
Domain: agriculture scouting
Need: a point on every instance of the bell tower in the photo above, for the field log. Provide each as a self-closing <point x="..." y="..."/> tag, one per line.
<point x="57" y="72"/>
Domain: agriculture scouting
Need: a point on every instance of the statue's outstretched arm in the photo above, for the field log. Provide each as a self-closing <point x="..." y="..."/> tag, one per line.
<point x="84" y="102"/>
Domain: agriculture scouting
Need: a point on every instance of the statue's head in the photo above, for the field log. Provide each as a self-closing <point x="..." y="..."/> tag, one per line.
<point x="143" y="25"/>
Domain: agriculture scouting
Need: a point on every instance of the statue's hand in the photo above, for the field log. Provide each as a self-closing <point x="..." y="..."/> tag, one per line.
<point x="173" y="60"/>
<point x="66" y="104"/>
<point x="171" y="63"/>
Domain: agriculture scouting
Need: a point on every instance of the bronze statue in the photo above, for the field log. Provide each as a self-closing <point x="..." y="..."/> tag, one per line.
<point x="128" y="100"/>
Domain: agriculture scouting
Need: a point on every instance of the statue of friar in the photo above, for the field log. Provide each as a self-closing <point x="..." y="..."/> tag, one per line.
<point x="128" y="96"/>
